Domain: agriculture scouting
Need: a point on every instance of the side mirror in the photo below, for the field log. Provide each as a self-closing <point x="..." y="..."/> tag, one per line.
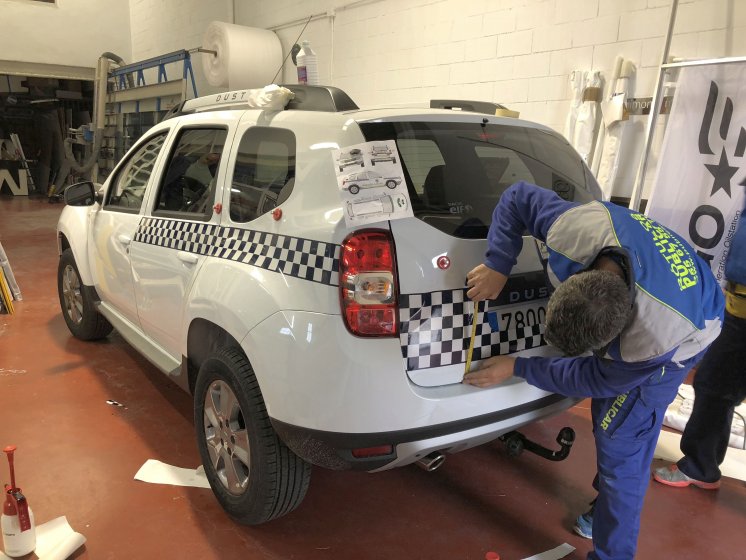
<point x="80" y="194"/>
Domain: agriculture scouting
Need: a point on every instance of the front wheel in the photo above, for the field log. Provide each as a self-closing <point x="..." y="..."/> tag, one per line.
<point x="354" y="189"/>
<point x="254" y="475"/>
<point x="77" y="302"/>
<point x="391" y="184"/>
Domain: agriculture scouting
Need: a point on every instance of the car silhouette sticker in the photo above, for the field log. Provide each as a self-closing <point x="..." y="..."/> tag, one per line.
<point x="371" y="183"/>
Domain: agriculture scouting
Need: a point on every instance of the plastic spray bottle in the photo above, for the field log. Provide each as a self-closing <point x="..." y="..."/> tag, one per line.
<point x="308" y="69"/>
<point x="17" y="520"/>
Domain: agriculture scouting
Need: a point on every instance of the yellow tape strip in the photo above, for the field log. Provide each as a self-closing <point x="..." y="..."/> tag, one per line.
<point x="474" y="318"/>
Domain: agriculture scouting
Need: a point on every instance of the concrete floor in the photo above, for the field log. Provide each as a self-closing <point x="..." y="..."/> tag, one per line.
<point x="78" y="455"/>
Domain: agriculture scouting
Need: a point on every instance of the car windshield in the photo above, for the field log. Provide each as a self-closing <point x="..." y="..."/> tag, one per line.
<point x="456" y="172"/>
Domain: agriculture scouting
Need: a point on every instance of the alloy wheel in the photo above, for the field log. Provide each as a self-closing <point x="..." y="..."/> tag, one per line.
<point x="227" y="438"/>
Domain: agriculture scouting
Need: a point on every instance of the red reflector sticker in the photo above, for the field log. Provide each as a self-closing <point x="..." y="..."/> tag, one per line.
<point x="444" y="262"/>
<point x="363" y="452"/>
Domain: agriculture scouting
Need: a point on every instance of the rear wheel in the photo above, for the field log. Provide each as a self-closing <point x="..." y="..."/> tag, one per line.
<point x="77" y="302"/>
<point x="254" y="475"/>
<point x="391" y="184"/>
<point x="354" y="189"/>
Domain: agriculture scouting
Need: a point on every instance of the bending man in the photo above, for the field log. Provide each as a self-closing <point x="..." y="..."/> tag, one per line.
<point x="633" y="311"/>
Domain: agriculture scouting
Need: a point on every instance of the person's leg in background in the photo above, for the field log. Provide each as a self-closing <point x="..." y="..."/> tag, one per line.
<point x="44" y="124"/>
<point x="59" y="166"/>
<point x="719" y="386"/>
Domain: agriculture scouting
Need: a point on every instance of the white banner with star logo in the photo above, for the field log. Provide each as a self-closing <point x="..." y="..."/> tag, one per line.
<point x="699" y="187"/>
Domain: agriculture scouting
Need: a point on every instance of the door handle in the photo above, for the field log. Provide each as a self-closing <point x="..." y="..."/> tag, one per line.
<point x="189" y="258"/>
<point x="124" y="239"/>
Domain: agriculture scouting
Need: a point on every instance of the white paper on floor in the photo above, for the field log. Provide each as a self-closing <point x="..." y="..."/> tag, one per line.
<point x="555" y="554"/>
<point x="733" y="466"/>
<point x="161" y="473"/>
<point x="55" y="540"/>
<point x="679" y="411"/>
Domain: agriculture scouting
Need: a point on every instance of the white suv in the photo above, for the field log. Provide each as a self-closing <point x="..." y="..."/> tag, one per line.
<point x="218" y="248"/>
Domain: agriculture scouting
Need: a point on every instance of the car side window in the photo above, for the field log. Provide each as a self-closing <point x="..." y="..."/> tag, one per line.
<point x="264" y="172"/>
<point x="190" y="180"/>
<point x="127" y="190"/>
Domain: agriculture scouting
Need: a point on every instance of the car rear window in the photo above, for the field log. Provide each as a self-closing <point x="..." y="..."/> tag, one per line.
<point x="456" y="172"/>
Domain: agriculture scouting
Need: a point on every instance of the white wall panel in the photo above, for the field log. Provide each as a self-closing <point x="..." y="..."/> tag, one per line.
<point x="70" y="32"/>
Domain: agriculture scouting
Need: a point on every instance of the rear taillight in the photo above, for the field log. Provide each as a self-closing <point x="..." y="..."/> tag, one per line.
<point x="367" y="283"/>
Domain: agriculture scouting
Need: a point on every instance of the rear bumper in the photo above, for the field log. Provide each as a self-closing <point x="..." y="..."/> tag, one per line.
<point x="333" y="450"/>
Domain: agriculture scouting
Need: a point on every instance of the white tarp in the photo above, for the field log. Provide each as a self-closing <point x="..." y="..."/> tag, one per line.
<point x="699" y="187"/>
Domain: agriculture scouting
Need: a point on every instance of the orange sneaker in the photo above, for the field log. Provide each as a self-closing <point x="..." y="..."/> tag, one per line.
<point x="672" y="476"/>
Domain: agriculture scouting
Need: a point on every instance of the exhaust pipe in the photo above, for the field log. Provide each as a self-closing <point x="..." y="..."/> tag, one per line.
<point x="432" y="461"/>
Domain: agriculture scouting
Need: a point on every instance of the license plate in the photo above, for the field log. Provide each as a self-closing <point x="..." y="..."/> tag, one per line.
<point x="520" y="316"/>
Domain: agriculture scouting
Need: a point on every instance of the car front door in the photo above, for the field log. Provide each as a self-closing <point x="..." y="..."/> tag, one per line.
<point x="113" y="227"/>
<point x="176" y="234"/>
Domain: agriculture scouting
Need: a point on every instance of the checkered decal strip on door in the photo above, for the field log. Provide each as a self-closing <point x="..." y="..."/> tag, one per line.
<point x="302" y="258"/>
<point x="435" y="329"/>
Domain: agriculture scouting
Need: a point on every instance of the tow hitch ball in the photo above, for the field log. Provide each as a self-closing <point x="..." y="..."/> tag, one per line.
<point x="516" y="442"/>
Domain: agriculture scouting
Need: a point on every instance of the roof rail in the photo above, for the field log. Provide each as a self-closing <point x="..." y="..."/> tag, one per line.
<point x="319" y="98"/>
<point x="486" y="107"/>
<point x="307" y="98"/>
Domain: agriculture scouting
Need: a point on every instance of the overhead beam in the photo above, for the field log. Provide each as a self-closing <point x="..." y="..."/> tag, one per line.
<point x="39" y="70"/>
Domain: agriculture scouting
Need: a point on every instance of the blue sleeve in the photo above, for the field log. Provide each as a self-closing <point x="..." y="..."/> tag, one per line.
<point x="587" y="376"/>
<point x="522" y="207"/>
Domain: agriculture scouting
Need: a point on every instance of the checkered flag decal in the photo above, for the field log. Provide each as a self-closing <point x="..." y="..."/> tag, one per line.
<point x="435" y="329"/>
<point x="303" y="258"/>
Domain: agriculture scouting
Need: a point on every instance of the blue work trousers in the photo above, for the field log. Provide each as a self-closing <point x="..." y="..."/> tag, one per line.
<point x="626" y="430"/>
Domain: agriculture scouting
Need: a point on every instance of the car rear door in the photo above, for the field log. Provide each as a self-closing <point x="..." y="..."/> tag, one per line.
<point x="456" y="173"/>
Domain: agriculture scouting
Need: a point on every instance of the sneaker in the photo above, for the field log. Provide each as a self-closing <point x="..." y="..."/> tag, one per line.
<point x="584" y="525"/>
<point x="672" y="476"/>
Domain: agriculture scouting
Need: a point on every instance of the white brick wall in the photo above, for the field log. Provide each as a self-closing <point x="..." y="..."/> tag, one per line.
<point x="163" y="26"/>
<point x="516" y="52"/>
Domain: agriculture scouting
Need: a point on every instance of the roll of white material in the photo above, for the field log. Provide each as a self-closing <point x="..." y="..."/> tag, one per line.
<point x="247" y="57"/>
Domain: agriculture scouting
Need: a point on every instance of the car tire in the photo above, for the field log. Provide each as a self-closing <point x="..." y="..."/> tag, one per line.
<point x="393" y="160"/>
<point x="341" y="168"/>
<point x="77" y="302"/>
<point x="391" y="184"/>
<point x="354" y="189"/>
<point x="373" y="163"/>
<point x="238" y="445"/>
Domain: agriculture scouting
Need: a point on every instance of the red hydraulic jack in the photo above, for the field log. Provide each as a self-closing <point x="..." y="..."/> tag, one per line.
<point x="19" y="533"/>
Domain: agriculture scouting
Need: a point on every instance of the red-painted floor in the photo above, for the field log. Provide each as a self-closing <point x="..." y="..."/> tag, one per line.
<point x="78" y="455"/>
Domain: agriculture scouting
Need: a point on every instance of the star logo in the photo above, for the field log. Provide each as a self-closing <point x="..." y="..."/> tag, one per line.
<point x="723" y="173"/>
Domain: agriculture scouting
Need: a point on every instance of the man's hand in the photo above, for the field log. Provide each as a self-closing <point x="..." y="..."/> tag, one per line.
<point x="492" y="371"/>
<point x="484" y="283"/>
